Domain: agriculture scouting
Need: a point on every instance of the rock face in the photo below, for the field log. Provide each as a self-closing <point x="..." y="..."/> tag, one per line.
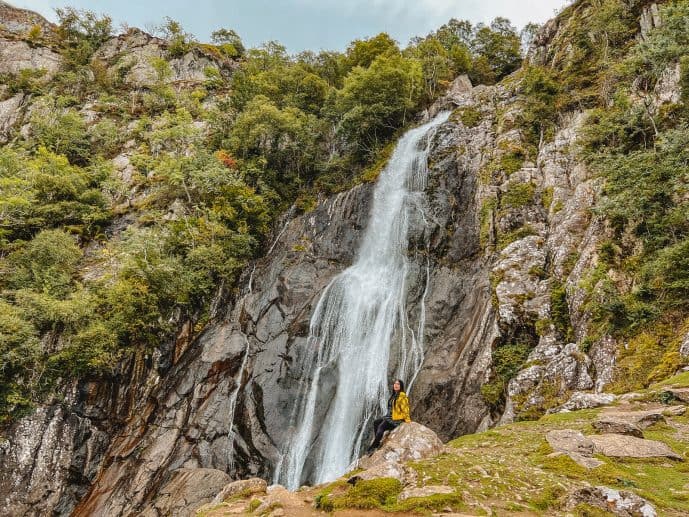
<point x="187" y="490"/>
<point x="484" y="267"/>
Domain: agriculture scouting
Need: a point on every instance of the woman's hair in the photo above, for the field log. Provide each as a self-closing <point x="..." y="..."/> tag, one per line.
<point x="394" y="394"/>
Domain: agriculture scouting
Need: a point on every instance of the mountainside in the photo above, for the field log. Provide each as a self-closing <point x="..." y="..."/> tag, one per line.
<point x="172" y="212"/>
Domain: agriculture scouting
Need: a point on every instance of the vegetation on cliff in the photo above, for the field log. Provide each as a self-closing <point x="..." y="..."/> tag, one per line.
<point x="128" y="200"/>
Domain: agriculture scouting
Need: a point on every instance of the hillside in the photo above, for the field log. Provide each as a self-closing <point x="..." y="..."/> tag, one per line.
<point x="172" y="212"/>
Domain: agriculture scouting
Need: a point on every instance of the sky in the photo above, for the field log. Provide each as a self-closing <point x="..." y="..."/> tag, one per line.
<point x="307" y="24"/>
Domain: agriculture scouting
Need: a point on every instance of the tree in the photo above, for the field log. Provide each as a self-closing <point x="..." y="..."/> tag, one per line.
<point x="229" y="42"/>
<point x="497" y="49"/>
<point x="81" y="33"/>
<point x="364" y="52"/>
<point x="375" y="101"/>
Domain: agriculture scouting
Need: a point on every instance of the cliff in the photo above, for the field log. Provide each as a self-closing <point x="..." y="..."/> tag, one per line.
<point x="501" y="263"/>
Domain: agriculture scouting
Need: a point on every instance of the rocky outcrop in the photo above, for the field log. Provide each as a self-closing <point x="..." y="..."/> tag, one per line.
<point x="20" y="21"/>
<point x="18" y="55"/>
<point x="142" y="60"/>
<point x="624" y="446"/>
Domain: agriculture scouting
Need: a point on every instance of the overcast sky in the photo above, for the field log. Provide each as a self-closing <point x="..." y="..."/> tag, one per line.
<point x="308" y="24"/>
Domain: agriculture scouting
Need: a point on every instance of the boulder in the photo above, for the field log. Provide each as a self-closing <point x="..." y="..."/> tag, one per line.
<point x="582" y="400"/>
<point x="617" y="426"/>
<point x="678" y="393"/>
<point x="624" y="446"/>
<point x="575" y="445"/>
<point x="409" y="441"/>
<point x="243" y="486"/>
<point x="187" y="490"/>
<point x="618" y="502"/>
<point x="641" y="419"/>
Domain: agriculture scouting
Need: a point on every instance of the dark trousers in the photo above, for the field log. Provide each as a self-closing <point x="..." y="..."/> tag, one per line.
<point x="380" y="425"/>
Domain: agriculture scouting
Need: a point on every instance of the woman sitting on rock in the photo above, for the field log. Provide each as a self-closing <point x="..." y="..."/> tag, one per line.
<point x="398" y="412"/>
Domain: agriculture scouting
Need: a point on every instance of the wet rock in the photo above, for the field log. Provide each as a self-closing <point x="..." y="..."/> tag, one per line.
<point x="618" y="502"/>
<point x="187" y="490"/>
<point x="623" y="446"/>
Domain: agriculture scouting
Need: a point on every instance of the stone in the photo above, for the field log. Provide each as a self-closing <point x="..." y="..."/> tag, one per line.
<point x="187" y="490"/>
<point x="678" y="393"/>
<point x="424" y="491"/>
<point x="242" y="486"/>
<point x="408" y="442"/>
<point x="10" y="113"/>
<point x="575" y="445"/>
<point x="581" y="400"/>
<point x="684" y="347"/>
<point x="569" y="440"/>
<point x="16" y="55"/>
<point x="619" y="502"/>
<point x="641" y="418"/>
<point x="623" y="446"/>
<point x="617" y="426"/>
<point x="675" y="411"/>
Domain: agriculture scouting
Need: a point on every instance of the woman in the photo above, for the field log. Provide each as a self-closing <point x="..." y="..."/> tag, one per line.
<point x="398" y="412"/>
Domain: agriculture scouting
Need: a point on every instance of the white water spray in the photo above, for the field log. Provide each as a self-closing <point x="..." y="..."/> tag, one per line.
<point x="359" y="321"/>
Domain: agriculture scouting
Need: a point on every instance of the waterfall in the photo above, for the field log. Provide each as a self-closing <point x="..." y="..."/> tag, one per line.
<point x="359" y="323"/>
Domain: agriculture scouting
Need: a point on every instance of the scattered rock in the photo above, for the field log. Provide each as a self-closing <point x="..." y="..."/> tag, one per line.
<point x="675" y="411"/>
<point x="678" y="393"/>
<point x="642" y="419"/>
<point x="582" y="400"/>
<point x="575" y="445"/>
<point x="424" y="491"/>
<point x="615" y="426"/>
<point x="569" y="440"/>
<point x="623" y="446"/>
<point x="619" y="502"/>
<point x="243" y="486"/>
<point x="187" y="490"/>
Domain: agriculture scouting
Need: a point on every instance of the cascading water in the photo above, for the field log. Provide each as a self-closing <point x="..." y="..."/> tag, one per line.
<point x="344" y="371"/>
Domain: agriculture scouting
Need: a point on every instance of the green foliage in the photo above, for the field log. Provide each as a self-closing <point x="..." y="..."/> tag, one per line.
<point x="559" y="311"/>
<point x="229" y="42"/>
<point x="541" y="103"/>
<point x="80" y="33"/>
<point x="370" y="493"/>
<point x="364" y="52"/>
<point x="518" y="195"/>
<point x="375" y="101"/>
<point x="469" y="116"/>
<point x="61" y="131"/>
<point x="497" y="50"/>
<point x="179" y="42"/>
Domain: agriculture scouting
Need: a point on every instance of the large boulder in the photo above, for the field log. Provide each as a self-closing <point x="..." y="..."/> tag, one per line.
<point x="17" y="55"/>
<point x="623" y="446"/>
<point x="575" y="445"/>
<point x="409" y="441"/>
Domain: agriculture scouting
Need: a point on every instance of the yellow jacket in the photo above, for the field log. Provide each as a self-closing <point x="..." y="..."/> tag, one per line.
<point x="400" y="409"/>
